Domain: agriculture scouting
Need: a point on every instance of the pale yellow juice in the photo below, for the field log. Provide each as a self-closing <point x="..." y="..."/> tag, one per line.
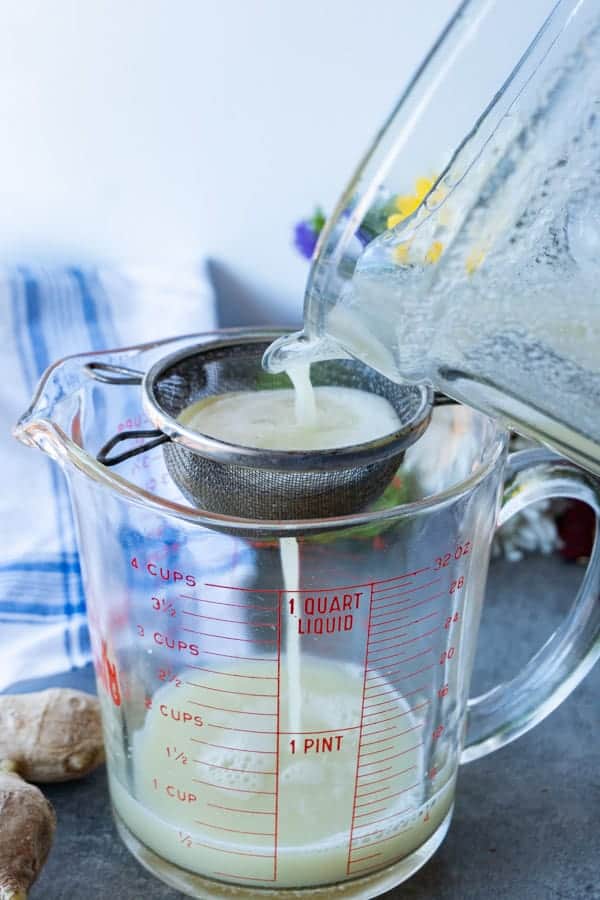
<point x="303" y="418"/>
<point x="233" y="800"/>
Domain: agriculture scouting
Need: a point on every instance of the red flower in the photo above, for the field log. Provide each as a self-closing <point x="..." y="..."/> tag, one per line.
<point x="576" y="528"/>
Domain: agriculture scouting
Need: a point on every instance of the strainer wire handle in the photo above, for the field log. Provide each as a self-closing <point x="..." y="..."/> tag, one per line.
<point x="156" y="436"/>
<point x="109" y="374"/>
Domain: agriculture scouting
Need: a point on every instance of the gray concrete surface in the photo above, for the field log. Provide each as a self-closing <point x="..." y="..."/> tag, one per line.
<point x="527" y="820"/>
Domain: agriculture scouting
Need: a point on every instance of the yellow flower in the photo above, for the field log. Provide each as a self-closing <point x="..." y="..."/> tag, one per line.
<point x="474" y="260"/>
<point x="434" y="252"/>
<point x="406" y="204"/>
<point x="394" y="219"/>
<point x="423" y="186"/>
<point x="401" y="253"/>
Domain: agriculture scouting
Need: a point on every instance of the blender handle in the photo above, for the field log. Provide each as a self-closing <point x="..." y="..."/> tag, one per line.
<point x="509" y="710"/>
<point x="157" y="438"/>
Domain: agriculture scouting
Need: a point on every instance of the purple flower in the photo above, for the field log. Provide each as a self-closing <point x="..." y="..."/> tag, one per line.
<point x="305" y="238"/>
<point x="306" y="233"/>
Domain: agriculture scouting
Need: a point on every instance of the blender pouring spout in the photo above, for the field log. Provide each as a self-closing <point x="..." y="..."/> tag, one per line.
<point x="299" y="348"/>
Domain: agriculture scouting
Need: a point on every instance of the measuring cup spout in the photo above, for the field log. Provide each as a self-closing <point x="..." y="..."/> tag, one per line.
<point x="44" y="424"/>
<point x="41" y="433"/>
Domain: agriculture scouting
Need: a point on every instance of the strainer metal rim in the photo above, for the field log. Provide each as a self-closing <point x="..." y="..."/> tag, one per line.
<point x="280" y="460"/>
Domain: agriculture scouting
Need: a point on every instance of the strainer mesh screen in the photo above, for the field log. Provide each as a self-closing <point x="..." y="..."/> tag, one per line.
<point x="254" y="491"/>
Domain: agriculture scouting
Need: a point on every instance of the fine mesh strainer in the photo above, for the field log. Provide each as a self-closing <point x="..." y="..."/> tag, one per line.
<point x="251" y="482"/>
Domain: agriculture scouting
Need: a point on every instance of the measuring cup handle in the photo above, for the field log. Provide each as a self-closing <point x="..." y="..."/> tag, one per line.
<point x="509" y="710"/>
<point x="157" y="438"/>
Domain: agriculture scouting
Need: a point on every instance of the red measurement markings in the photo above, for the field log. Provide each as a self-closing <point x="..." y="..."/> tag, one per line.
<point x="399" y="577"/>
<point x="240" y="809"/>
<point x="352" y="860"/>
<point x="223" y="787"/>
<point x="387" y="693"/>
<point x="389" y="668"/>
<point x="242" y="730"/>
<point x="207" y="687"/>
<point x="234" y="674"/>
<point x="400" y="715"/>
<point x="278" y="726"/>
<point x="378" y="772"/>
<point x="391" y="691"/>
<point x="268" y="659"/>
<point x="418" y="637"/>
<point x="386" y="778"/>
<point x="360" y="734"/>
<point x="395" y="656"/>
<point x="379" y="741"/>
<point x="235" y="830"/>
<point x="203" y="762"/>
<point x="393" y="634"/>
<point x="390" y="837"/>
<point x="395" y="815"/>
<point x="407" y="675"/>
<point x="376" y="791"/>
<point x="226" y="709"/>
<point x="222" y="603"/>
<point x="382" y="730"/>
<point x="394" y="620"/>
<point x="371" y="812"/>
<point x="228" y="637"/>
<point x="413" y="606"/>
<point x="383" y="593"/>
<point x="237" y="749"/>
<point x="169" y="676"/>
<point x="377" y="762"/>
<point x="380" y="750"/>
<point x="367" y="844"/>
<point x="313" y="589"/>
<point x="236" y="853"/>
<point x="363" y="858"/>
<point x="244" y="877"/>
<point x="376" y="786"/>
<point x="389" y="796"/>
<point x="430" y="615"/>
<point x="247" y="622"/>
<point x="413" y="728"/>
<point x="244" y="590"/>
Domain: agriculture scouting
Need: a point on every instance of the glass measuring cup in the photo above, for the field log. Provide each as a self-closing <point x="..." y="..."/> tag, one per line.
<point x="285" y="705"/>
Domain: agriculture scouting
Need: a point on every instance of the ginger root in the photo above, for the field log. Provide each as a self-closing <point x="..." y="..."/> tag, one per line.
<point x="52" y="735"/>
<point x="27" y="824"/>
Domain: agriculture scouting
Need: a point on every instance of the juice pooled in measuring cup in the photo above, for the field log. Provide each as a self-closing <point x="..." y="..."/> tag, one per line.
<point x="240" y="796"/>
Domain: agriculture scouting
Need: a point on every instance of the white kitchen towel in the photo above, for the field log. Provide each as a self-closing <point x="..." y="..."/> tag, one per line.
<point x="46" y="314"/>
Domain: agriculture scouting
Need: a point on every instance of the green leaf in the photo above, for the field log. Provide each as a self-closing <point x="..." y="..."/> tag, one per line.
<point x="266" y="381"/>
<point x="401" y="490"/>
<point x="318" y="220"/>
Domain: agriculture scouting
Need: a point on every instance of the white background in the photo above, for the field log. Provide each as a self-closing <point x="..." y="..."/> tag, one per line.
<point x="165" y="132"/>
<point x="169" y="130"/>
